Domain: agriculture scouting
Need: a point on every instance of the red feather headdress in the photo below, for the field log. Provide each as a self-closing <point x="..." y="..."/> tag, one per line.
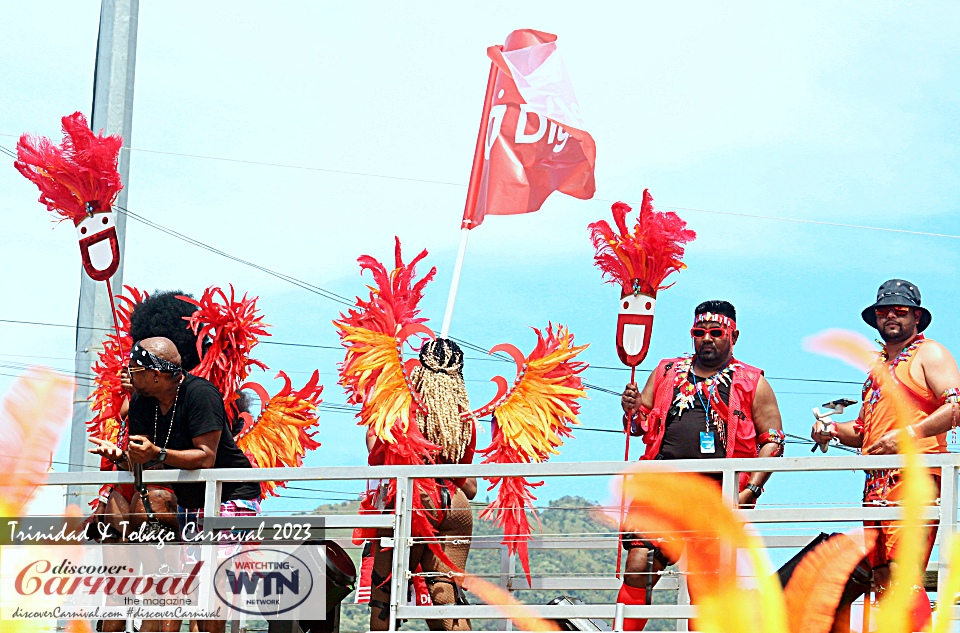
<point x="77" y="178"/>
<point x="641" y="260"/>
<point x="233" y="328"/>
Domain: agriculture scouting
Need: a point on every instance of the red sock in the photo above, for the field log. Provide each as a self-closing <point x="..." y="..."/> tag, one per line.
<point x="632" y="595"/>
<point x="921" y="614"/>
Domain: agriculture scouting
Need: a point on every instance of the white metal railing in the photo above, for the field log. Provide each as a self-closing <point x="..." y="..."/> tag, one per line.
<point x="399" y="522"/>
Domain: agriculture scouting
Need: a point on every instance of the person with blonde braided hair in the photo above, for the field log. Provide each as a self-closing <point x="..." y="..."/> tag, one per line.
<point x="439" y="381"/>
<point x="448" y="424"/>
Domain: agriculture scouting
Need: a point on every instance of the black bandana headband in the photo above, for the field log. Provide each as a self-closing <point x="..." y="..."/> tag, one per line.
<point x="140" y="357"/>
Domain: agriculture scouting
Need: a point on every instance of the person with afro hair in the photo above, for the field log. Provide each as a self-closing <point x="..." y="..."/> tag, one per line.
<point x="162" y="314"/>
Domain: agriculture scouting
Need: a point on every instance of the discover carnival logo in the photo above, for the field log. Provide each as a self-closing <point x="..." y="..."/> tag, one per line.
<point x="266" y="582"/>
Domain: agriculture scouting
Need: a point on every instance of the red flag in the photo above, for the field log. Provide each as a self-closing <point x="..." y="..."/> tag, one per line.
<point x="534" y="142"/>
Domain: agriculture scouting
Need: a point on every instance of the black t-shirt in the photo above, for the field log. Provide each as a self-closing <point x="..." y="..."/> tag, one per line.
<point x="681" y="439"/>
<point x="199" y="410"/>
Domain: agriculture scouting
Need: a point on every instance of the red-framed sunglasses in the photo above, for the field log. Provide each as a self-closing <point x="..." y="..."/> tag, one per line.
<point x="899" y="311"/>
<point x="715" y="332"/>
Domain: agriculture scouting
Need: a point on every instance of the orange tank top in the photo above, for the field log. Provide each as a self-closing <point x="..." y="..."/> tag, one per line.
<point x="880" y="406"/>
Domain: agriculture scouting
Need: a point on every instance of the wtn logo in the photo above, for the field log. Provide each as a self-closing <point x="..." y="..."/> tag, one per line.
<point x="273" y="582"/>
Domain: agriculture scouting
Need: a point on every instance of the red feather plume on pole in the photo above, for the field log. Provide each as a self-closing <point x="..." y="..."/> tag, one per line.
<point x="233" y="328"/>
<point x="76" y="178"/>
<point x="640" y="260"/>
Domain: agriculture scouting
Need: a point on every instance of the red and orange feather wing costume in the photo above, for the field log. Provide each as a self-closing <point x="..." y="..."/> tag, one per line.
<point x="374" y="376"/>
<point x="531" y="420"/>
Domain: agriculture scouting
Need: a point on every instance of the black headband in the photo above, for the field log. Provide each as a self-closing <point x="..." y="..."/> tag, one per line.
<point x="143" y="358"/>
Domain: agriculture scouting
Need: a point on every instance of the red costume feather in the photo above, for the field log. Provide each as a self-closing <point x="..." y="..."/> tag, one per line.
<point x="374" y="376"/>
<point x="77" y="177"/>
<point x="641" y="260"/>
<point x="233" y="328"/>
<point x="531" y="421"/>
<point x="282" y="433"/>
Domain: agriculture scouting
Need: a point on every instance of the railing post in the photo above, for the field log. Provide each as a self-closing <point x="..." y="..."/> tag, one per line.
<point x="401" y="547"/>
<point x="948" y="529"/>
<point x="507" y="567"/>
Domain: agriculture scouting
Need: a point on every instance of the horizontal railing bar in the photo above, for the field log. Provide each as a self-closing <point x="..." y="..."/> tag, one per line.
<point x="547" y="469"/>
<point x="551" y="612"/>
<point x="334" y="521"/>
<point x="519" y="583"/>
<point x="817" y="515"/>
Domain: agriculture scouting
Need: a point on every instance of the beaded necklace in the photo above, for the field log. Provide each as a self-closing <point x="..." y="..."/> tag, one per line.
<point x="705" y="390"/>
<point x="173" y="413"/>
<point x="871" y="388"/>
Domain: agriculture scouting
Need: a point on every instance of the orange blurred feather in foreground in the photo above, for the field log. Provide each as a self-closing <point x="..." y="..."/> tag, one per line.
<point x="32" y="415"/>
<point x="524" y="618"/>
<point x="723" y="606"/>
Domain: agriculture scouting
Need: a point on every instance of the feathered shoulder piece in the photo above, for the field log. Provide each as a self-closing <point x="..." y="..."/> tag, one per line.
<point x="108" y="395"/>
<point x="283" y="432"/>
<point x="232" y="327"/>
<point x="372" y="372"/>
<point x="640" y="260"/>
<point x="530" y="421"/>
<point x="77" y="178"/>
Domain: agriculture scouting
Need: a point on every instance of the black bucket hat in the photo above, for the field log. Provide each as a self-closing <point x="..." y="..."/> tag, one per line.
<point x="897" y="292"/>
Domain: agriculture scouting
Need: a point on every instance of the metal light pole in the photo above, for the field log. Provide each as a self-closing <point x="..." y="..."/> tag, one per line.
<point x="112" y="112"/>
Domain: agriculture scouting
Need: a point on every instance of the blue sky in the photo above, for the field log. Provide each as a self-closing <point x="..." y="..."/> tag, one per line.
<point x="844" y="113"/>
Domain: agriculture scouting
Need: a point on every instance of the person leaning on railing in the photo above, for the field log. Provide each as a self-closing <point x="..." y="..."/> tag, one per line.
<point x="913" y="390"/>
<point x="178" y="420"/>
<point x="706" y="406"/>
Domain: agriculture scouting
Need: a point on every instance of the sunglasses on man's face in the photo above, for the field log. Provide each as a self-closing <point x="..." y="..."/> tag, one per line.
<point x="714" y="332"/>
<point x="898" y="311"/>
<point x="135" y="368"/>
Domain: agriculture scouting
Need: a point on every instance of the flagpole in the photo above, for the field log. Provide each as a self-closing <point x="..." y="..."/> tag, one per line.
<point x="473" y="193"/>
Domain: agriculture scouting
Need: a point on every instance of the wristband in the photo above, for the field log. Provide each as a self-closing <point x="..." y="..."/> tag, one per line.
<point x="912" y="432"/>
<point x="756" y="490"/>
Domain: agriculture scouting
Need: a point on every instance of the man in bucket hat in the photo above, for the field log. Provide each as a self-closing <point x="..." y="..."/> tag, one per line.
<point x="912" y="393"/>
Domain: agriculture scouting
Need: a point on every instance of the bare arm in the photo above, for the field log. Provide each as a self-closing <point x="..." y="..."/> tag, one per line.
<point x="631" y="401"/>
<point x="940" y="373"/>
<point x="766" y="417"/>
<point x="938" y="370"/>
<point x="202" y="455"/>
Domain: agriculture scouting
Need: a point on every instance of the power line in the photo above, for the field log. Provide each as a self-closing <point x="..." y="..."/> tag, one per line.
<point x="292" y="280"/>
<point x="755" y="216"/>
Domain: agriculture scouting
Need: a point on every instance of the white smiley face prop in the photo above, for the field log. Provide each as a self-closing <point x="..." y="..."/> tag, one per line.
<point x="634" y="326"/>
<point x="99" y="245"/>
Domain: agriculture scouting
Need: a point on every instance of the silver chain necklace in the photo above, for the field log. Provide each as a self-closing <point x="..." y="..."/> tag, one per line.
<point x="173" y="413"/>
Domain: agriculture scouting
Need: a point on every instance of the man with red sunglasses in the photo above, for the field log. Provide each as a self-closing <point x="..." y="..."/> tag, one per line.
<point x="707" y="406"/>
<point x="912" y="393"/>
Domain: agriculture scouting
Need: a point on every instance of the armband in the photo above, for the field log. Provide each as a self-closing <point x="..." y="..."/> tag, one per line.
<point x="772" y="436"/>
<point x="756" y="490"/>
<point x="951" y="395"/>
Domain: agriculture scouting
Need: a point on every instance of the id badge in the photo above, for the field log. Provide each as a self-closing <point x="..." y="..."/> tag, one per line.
<point x="707" y="444"/>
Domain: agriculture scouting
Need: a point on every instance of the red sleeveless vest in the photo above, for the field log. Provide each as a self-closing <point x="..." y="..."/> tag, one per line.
<point x="741" y="438"/>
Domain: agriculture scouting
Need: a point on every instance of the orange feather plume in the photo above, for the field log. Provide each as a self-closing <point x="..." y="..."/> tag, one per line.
<point x="282" y="434"/>
<point x="531" y="421"/>
<point x="701" y="525"/>
<point x="641" y="260"/>
<point x="32" y="415"/>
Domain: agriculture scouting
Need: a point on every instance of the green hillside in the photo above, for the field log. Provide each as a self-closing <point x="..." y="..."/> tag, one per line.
<point x="568" y="515"/>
